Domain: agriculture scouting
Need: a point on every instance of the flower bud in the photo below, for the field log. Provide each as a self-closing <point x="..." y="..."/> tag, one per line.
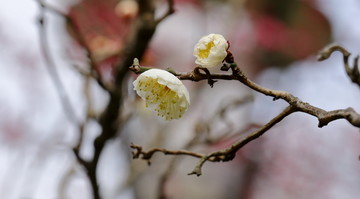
<point x="163" y="93"/>
<point x="211" y="50"/>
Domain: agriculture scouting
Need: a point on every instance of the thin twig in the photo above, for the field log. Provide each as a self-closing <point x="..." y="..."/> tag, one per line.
<point x="170" y="11"/>
<point x="197" y="139"/>
<point x="50" y="65"/>
<point x="295" y="105"/>
<point x="219" y="116"/>
<point x="323" y="116"/>
<point x="352" y="72"/>
<point x="230" y="152"/>
<point x="68" y="108"/>
<point x="80" y="38"/>
<point x="110" y="121"/>
<point x="139" y="153"/>
<point x="217" y="156"/>
<point x="89" y="115"/>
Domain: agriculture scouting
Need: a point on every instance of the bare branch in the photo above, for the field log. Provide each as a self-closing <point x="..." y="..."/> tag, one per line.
<point x="169" y="11"/>
<point x="352" y="72"/>
<point x="323" y="116"/>
<point x="199" y="134"/>
<point x="110" y="121"/>
<point x="147" y="155"/>
<point x="230" y="152"/>
<point x="50" y="65"/>
<point x="217" y="156"/>
<point x="80" y="38"/>
<point x="219" y="116"/>
<point x="93" y="66"/>
<point x="295" y="105"/>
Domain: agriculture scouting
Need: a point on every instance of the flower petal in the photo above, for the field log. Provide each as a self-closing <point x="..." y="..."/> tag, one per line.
<point x="211" y="50"/>
<point x="163" y="93"/>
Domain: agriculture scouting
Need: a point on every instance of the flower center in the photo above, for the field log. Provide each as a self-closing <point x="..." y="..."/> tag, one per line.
<point x="162" y="99"/>
<point x="204" y="53"/>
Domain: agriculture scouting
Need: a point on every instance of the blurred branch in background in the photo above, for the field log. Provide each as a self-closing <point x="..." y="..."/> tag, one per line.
<point x="110" y="119"/>
<point x="68" y="108"/>
<point x="202" y="135"/>
<point x="281" y="35"/>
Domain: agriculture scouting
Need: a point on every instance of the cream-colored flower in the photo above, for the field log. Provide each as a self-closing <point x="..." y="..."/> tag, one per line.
<point x="211" y="50"/>
<point x="163" y="93"/>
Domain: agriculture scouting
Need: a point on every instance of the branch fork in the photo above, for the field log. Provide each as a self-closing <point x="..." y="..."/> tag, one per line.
<point x="295" y="105"/>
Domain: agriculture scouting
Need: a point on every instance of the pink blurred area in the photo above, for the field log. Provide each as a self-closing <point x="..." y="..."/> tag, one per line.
<point x="274" y="43"/>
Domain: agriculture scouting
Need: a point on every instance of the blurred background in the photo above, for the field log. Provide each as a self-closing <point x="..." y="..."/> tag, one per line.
<point x="274" y="42"/>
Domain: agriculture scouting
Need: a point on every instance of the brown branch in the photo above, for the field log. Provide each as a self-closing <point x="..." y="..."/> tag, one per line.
<point x="109" y="120"/>
<point x="80" y="38"/>
<point x="295" y="105"/>
<point x="199" y="134"/>
<point x="89" y="115"/>
<point x="219" y="116"/>
<point x="217" y="156"/>
<point x="68" y="108"/>
<point x="352" y="72"/>
<point x="51" y="67"/>
<point x="323" y="116"/>
<point x="170" y="11"/>
<point x="94" y="72"/>
<point x="210" y="81"/>
<point x="230" y="152"/>
<point x="147" y="155"/>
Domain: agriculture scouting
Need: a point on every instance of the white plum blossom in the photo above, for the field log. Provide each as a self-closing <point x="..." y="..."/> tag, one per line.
<point x="211" y="50"/>
<point x="163" y="93"/>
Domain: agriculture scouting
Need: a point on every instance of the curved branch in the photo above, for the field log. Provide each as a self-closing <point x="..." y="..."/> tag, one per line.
<point x="352" y="72"/>
<point x="230" y="152"/>
<point x="323" y="116"/>
<point x="51" y="67"/>
<point x="170" y="11"/>
<point x="224" y="155"/>
<point x="94" y="73"/>
<point x="147" y="155"/>
<point x="109" y="120"/>
<point x="295" y="105"/>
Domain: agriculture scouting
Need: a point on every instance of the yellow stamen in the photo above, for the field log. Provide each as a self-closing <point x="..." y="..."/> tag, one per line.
<point x="204" y="53"/>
